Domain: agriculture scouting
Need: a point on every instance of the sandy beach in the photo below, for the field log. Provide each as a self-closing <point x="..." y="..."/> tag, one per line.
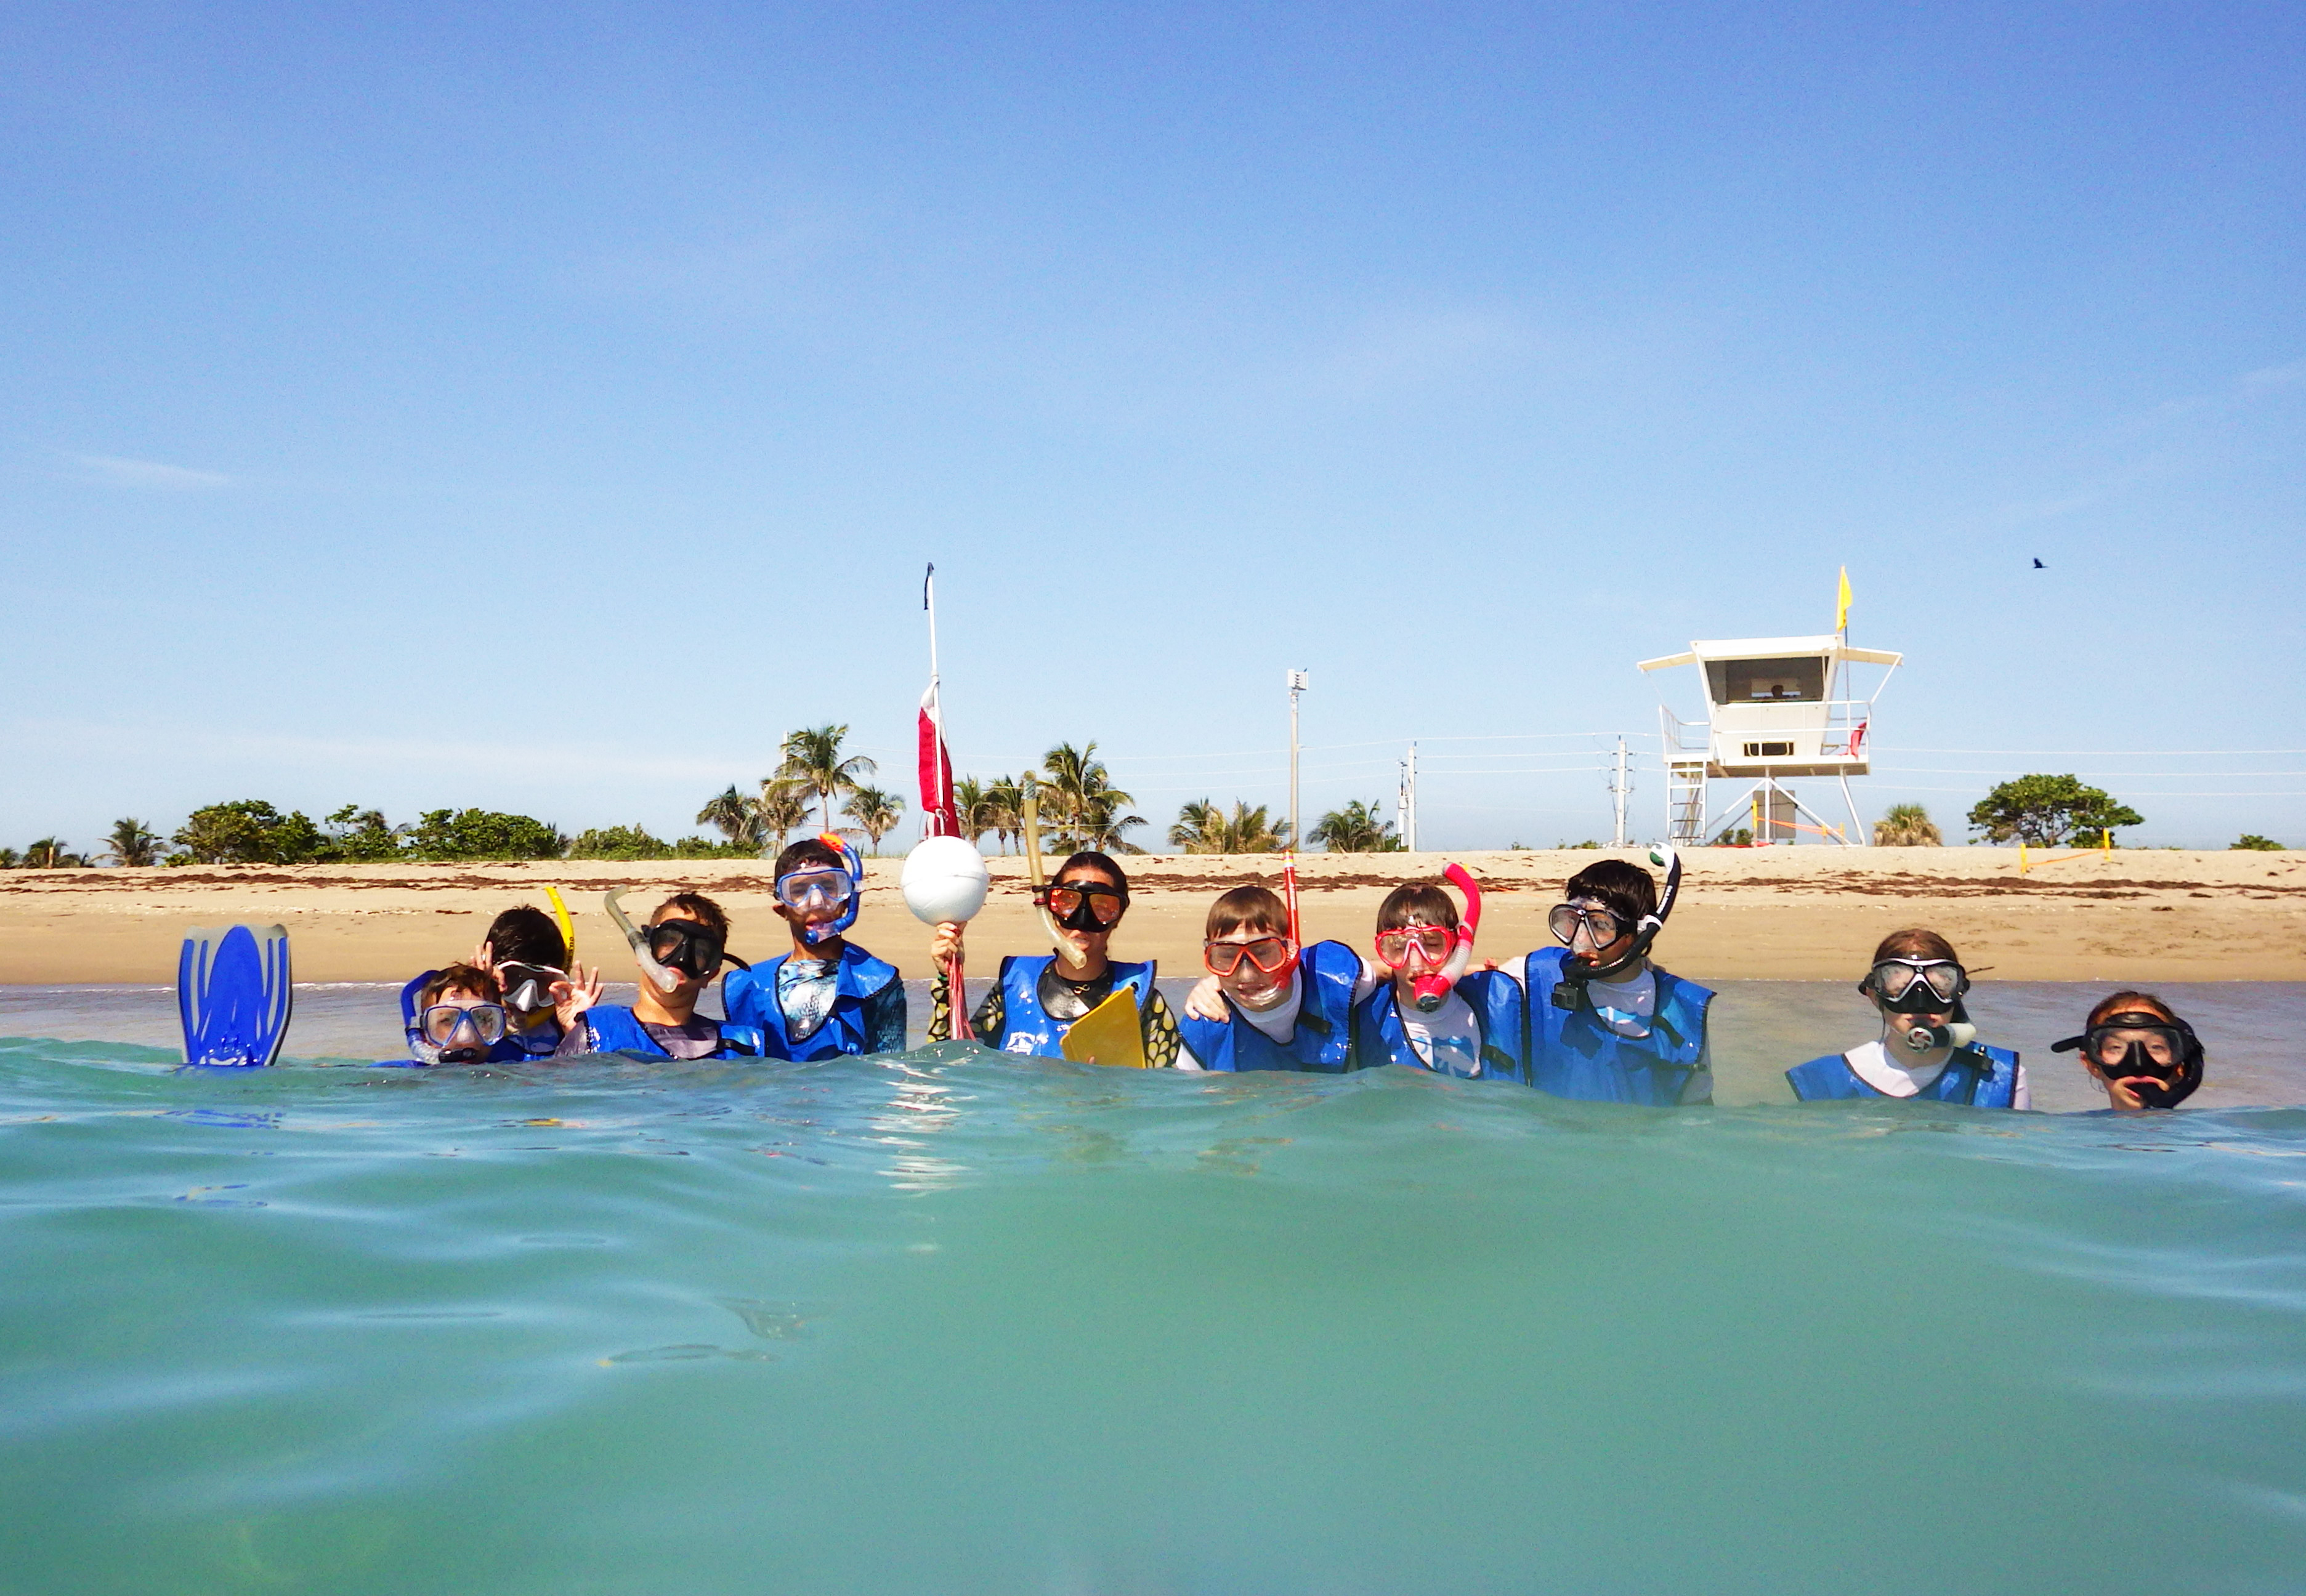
<point x="1782" y="913"/>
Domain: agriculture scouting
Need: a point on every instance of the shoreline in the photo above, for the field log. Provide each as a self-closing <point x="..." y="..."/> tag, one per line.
<point x="1776" y="913"/>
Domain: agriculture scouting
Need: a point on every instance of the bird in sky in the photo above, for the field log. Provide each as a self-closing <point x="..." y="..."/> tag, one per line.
<point x="2039" y="566"/>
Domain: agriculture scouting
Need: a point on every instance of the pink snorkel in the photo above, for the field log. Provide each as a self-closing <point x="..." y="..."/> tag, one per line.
<point x="1431" y="990"/>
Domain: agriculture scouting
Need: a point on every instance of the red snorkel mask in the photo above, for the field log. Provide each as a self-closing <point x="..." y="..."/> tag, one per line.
<point x="1430" y="990"/>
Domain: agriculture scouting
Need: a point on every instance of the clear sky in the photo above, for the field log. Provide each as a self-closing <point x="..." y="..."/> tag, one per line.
<point x="546" y="407"/>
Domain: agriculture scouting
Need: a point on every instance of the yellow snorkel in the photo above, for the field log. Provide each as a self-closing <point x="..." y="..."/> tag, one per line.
<point x="568" y="929"/>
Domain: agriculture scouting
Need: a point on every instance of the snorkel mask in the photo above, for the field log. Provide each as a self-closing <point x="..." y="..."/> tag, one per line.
<point x="1570" y="991"/>
<point x="528" y="987"/>
<point x="1924" y="986"/>
<point x="1079" y="905"/>
<point x="2123" y="1047"/>
<point x="810" y="886"/>
<point x="671" y="949"/>
<point x="1431" y="989"/>
<point x="450" y="1034"/>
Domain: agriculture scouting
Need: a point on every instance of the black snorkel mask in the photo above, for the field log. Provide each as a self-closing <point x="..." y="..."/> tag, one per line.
<point x="2120" y="1046"/>
<point x="1924" y="986"/>
<point x="693" y="949"/>
<point x="1570" y="992"/>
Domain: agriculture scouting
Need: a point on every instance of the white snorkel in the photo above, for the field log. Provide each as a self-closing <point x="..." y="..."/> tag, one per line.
<point x="665" y="979"/>
<point x="1032" y="817"/>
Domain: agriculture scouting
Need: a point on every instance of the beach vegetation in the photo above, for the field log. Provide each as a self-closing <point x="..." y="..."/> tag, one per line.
<point x="994" y="805"/>
<point x="361" y="836"/>
<point x="736" y="816"/>
<point x="783" y="806"/>
<point x="875" y="813"/>
<point x="482" y="835"/>
<point x="1202" y="827"/>
<point x="50" y="853"/>
<point x="1080" y="803"/>
<point x="1907" y="825"/>
<point x="132" y="843"/>
<point x="2045" y="811"/>
<point x="1357" y="828"/>
<point x="813" y="761"/>
<point x="246" y="831"/>
<point x="2257" y="844"/>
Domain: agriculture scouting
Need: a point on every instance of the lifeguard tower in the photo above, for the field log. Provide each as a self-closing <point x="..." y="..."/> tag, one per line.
<point x="1777" y="708"/>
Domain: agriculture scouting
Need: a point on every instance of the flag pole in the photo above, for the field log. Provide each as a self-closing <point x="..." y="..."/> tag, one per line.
<point x="928" y="602"/>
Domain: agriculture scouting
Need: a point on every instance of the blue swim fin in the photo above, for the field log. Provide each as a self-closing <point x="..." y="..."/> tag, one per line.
<point x="234" y="993"/>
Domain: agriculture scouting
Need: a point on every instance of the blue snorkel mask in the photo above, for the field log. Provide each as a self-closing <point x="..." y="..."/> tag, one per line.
<point x="814" y="887"/>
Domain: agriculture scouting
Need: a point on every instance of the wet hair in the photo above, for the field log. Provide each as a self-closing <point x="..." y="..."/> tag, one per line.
<point x="1248" y="908"/>
<point x="459" y="978"/>
<point x="1624" y="890"/>
<point x="809" y="851"/>
<point x="1089" y="858"/>
<point x="1416" y="903"/>
<point x="2129" y="1001"/>
<point x="1916" y="944"/>
<point x="696" y="907"/>
<point x="529" y="935"/>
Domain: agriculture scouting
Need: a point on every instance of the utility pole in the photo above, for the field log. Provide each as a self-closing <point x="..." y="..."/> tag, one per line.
<point x="1297" y="684"/>
<point x="1618" y="791"/>
<point x="1405" y="804"/>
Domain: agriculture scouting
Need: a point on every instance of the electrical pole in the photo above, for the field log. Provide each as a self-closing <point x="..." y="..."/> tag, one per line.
<point x="1618" y="791"/>
<point x="1297" y="684"/>
<point x="1404" y="807"/>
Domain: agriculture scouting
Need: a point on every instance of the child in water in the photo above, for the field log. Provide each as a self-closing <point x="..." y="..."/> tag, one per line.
<point x="827" y="996"/>
<point x="1267" y="1004"/>
<point x="1605" y="1024"/>
<point x="456" y="1016"/>
<point x="1471" y="1026"/>
<point x="682" y="949"/>
<point x="2138" y="1051"/>
<point x="1038" y="997"/>
<point x="1927" y="1047"/>
<point x="530" y="959"/>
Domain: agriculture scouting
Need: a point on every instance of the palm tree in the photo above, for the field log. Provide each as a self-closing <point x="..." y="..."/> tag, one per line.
<point x="813" y="760"/>
<point x="1204" y="828"/>
<point x="132" y="842"/>
<point x="735" y="816"/>
<point x="1355" y="829"/>
<point x="783" y="804"/>
<point x="10" y="858"/>
<point x="1079" y="798"/>
<point x="1907" y="825"/>
<point x="1005" y="807"/>
<point x="51" y="853"/>
<point x="874" y="811"/>
<point x="969" y="805"/>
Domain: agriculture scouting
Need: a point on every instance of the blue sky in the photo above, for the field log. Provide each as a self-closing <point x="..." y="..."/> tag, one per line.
<point x="546" y="407"/>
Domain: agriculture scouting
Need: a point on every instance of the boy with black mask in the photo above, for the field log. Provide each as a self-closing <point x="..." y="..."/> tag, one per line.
<point x="1605" y="1024"/>
<point x="680" y="951"/>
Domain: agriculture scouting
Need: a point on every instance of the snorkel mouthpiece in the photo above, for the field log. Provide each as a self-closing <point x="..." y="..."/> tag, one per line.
<point x="665" y="979"/>
<point x="1953" y="1033"/>
<point x="1430" y="990"/>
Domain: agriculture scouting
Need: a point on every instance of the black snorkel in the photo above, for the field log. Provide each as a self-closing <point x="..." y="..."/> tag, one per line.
<point x="1570" y="992"/>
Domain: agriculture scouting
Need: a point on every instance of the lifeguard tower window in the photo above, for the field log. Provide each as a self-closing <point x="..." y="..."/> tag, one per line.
<point x="1767" y="682"/>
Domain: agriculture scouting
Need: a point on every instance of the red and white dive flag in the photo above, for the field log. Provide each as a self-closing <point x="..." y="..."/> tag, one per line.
<point x="938" y="817"/>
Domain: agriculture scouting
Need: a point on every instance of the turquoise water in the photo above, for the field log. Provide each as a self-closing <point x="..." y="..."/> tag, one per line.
<point x="951" y="1323"/>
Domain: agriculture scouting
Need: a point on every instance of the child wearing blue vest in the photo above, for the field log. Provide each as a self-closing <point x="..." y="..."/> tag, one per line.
<point x="1470" y="1028"/>
<point x="1268" y="1004"/>
<point x="1037" y="998"/>
<point x="1605" y="1024"/>
<point x="828" y="996"/>
<point x="1927" y="1047"/>
<point x="679" y="954"/>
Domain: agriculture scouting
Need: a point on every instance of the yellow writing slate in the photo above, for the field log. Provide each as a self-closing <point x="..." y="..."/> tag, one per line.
<point x="1108" y="1034"/>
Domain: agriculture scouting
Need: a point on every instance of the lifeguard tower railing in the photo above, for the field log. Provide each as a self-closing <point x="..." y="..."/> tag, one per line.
<point x="1689" y="765"/>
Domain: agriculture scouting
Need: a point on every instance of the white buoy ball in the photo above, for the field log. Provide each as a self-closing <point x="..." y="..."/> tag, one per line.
<point x="946" y="879"/>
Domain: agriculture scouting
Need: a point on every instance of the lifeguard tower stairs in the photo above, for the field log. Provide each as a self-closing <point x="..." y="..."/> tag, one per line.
<point x="1776" y="708"/>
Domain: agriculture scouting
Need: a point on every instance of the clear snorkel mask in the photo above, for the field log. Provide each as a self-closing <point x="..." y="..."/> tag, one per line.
<point x="456" y="1034"/>
<point x="528" y="987"/>
<point x="825" y="886"/>
<point x="1924" y="986"/>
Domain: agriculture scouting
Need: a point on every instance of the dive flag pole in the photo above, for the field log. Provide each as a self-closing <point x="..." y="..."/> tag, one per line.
<point x="935" y="770"/>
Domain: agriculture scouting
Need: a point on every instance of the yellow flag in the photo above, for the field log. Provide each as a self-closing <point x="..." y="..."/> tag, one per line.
<point x="1841" y="609"/>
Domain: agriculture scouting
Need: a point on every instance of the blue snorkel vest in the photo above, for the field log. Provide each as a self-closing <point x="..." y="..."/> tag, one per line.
<point x="1980" y="1076"/>
<point x="1323" y="1039"/>
<point x="1573" y="1055"/>
<point x="616" y="1028"/>
<point x="1027" y="1027"/>
<point x="1496" y="1001"/>
<point x="750" y="997"/>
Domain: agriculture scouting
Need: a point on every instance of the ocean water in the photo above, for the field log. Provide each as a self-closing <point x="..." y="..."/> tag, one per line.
<point x="951" y="1323"/>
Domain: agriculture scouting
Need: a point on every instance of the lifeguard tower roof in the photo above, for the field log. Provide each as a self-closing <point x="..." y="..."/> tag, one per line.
<point x="1771" y="709"/>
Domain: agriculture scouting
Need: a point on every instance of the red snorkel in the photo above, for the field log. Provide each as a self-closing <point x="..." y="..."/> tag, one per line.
<point x="1431" y="990"/>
